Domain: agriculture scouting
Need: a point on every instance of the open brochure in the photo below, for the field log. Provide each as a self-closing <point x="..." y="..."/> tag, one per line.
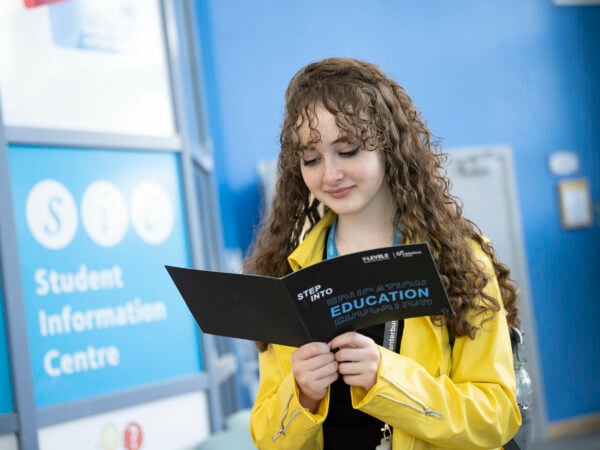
<point x="318" y="302"/>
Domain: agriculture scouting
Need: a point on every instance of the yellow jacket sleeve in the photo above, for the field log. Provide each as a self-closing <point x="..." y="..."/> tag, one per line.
<point x="278" y="420"/>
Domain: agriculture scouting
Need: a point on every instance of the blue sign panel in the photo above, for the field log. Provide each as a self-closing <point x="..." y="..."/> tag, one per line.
<point x="95" y="229"/>
<point x="6" y="400"/>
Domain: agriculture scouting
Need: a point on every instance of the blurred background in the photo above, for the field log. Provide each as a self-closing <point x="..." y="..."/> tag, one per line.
<point x="139" y="133"/>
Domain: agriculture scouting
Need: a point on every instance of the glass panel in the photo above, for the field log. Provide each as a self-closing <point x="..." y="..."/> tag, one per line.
<point x="85" y="65"/>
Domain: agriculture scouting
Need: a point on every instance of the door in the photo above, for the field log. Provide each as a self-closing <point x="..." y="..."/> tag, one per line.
<point x="483" y="178"/>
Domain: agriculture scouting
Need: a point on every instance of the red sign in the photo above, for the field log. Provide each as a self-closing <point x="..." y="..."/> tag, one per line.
<point x="34" y="3"/>
<point x="133" y="436"/>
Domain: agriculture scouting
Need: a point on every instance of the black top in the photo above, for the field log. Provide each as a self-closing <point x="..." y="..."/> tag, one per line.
<point x="348" y="428"/>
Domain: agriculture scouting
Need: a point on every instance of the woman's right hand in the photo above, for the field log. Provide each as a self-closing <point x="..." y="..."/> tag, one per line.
<point x="314" y="367"/>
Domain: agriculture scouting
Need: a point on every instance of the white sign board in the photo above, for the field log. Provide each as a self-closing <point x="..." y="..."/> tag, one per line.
<point x="175" y="423"/>
<point x="8" y="442"/>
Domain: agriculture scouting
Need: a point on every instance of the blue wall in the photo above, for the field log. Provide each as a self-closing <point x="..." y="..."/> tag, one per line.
<point x="515" y="72"/>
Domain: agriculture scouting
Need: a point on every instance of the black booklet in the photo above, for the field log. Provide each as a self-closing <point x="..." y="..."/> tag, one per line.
<point x="318" y="302"/>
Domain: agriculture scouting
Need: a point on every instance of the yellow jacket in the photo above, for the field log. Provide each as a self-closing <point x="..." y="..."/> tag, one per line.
<point x="434" y="396"/>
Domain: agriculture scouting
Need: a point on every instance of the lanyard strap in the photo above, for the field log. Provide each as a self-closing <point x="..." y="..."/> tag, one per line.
<point x="390" y="335"/>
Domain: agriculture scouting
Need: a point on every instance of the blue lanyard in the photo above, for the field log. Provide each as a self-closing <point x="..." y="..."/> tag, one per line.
<point x="332" y="250"/>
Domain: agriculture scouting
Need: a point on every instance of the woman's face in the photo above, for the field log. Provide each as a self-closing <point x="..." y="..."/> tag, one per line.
<point x="347" y="179"/>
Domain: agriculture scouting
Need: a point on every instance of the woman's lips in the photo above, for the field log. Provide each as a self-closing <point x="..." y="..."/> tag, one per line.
<point x="338" y="193"/>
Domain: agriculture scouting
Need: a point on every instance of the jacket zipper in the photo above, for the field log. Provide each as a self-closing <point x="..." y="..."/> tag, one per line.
<point x="423" y="407"/>
<point x="284" y="425"/>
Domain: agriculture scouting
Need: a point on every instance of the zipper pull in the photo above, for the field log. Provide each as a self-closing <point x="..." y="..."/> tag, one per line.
<point x="386" y="440"/>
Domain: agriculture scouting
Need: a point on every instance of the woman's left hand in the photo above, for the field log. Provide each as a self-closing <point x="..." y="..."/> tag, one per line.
<point x="358" y="359"/>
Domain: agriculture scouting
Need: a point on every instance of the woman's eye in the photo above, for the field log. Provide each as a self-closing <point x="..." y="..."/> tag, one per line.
<point x="350" y="153"/>
<point x="309" y="161"/>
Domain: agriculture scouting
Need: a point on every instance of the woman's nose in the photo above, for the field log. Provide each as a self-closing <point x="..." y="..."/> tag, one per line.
<point x="332" y="171"/>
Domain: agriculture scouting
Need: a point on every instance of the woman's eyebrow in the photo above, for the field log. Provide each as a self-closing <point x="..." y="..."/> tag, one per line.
<point x="340" y="140"/>
<point x="344" y="140"/>
<point x="306" y="147"/>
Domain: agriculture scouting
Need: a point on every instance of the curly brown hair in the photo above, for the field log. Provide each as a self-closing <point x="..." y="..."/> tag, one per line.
<point x="377" y="113"/>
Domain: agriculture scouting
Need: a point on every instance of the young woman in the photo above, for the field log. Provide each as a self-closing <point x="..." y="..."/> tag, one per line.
<point x="358" y="170"/>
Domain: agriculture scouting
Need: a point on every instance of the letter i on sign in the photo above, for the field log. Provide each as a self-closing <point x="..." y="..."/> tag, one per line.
<point x="133" y="436"/>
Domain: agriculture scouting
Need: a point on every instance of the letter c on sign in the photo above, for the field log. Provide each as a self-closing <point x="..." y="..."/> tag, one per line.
<point x="52" y="371"/>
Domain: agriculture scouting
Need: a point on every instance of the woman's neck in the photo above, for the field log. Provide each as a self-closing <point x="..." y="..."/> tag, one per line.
<point x="355" y="234"/>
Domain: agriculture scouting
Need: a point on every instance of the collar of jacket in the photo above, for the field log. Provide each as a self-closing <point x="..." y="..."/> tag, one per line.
<point x="311" y="248"/>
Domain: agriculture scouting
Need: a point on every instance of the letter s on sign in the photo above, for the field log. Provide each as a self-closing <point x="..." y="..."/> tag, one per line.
<point x="42" y="284"/>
